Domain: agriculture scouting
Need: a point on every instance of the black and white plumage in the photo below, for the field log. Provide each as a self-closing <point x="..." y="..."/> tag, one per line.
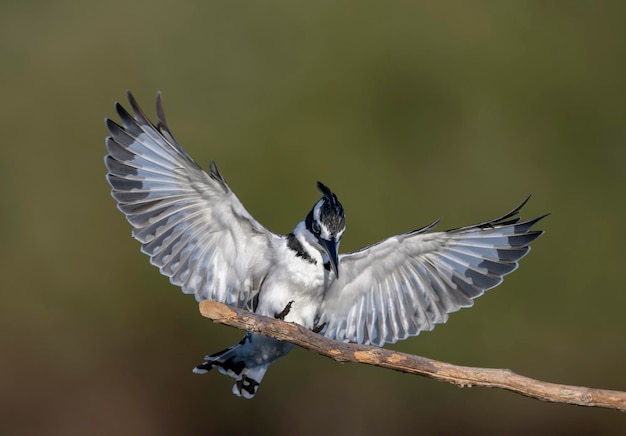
<point x="198" y="233"/>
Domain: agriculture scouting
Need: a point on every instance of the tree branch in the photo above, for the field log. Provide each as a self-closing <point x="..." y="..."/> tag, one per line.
<point x="463" y="376"/>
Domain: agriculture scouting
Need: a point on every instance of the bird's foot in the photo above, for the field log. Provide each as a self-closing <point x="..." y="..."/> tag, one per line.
<point x="285" y="312"/>
<point x="318" y="328"/>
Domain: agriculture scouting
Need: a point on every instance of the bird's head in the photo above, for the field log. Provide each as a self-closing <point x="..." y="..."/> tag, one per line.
<point x="326" y="223"/>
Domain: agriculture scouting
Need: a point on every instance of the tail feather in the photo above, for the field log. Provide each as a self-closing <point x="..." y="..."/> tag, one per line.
<point x="227" y="362"/>
<point x="232" y="362"/>
<point x="249" y="380"/>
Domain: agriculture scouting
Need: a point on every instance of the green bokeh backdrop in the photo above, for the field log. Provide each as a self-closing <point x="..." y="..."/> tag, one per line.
<point x="408" y="110"/>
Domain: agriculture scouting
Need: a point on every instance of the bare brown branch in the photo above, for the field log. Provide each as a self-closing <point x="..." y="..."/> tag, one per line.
<point x="463" y="376"/>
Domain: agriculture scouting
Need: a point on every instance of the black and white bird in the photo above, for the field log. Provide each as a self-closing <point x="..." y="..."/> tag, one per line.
<point x="198" y="233"/>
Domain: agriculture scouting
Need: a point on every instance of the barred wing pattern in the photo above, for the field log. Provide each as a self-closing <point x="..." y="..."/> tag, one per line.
<point x="408" y="283"/>
<point x="189" y="222"/>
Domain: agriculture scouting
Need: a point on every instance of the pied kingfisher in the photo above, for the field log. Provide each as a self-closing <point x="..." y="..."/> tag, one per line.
<point x="198" y="233"/>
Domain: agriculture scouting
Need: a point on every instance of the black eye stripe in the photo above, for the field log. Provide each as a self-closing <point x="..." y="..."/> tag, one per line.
<point x="316" y="227"/>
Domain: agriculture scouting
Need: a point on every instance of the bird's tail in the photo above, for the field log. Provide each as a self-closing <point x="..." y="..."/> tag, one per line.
<point x="237" y="363"/>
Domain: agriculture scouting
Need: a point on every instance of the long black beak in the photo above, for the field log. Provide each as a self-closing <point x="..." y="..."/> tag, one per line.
<point x="331" y="249"/>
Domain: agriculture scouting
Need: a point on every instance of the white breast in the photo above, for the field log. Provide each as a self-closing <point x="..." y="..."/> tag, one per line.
<point x="294" y="279"/>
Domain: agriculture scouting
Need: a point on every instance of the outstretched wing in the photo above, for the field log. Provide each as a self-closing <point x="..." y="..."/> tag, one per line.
<point x="189" y="222"/>
<point x="408" y="283"/>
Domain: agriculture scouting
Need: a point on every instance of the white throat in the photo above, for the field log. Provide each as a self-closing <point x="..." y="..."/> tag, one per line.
<point x="309" y="242"/>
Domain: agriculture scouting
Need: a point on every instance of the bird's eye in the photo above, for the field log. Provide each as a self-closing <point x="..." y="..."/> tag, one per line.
<point x="316" y="227"/>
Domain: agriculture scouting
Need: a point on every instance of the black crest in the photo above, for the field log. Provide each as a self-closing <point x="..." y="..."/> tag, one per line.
<point x="325" y="190"/>
<point x="331" y="212"/>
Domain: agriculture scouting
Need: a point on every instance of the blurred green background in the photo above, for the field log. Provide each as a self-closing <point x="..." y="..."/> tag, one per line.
<point x="408" y="110"/>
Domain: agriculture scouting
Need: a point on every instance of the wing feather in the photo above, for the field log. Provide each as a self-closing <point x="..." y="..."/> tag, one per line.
<point x="189" y="222"/>
<point x="409" y="283"/>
